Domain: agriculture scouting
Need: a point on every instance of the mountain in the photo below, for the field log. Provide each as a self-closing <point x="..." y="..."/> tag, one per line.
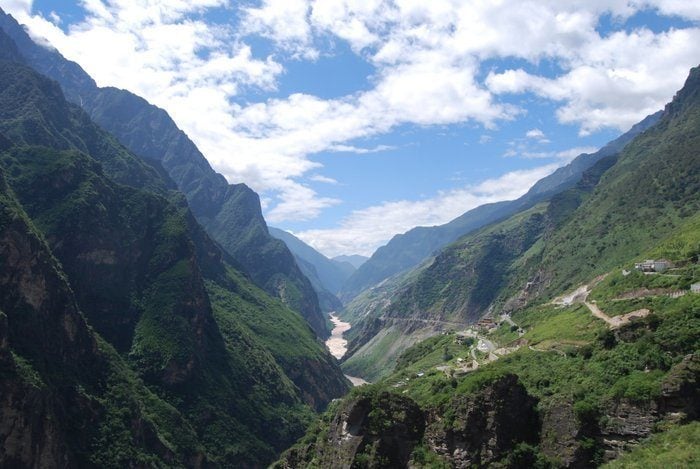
<point x="325" y="274"/>
<point x="621" y="206"/>
<point x="231" y="214"/>
<point x="594" y="359"/>
<point x="68" y="398"/>
<point x="129" y="338"/>
<point x="354" y="260"/>
<point x="407" y="250"/>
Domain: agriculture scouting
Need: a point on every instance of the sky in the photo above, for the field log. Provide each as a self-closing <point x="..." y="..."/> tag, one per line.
<point x="356" y="120"/>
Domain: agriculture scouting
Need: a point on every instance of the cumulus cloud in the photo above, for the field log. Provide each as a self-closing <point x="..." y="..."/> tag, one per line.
<point x="612" y="81"/>
<point x="538" y="135"/>
<point x="363" y="231"/>
<point x="428" y="60"/>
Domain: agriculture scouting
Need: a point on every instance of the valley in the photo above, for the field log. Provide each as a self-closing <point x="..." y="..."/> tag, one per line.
<point x="525" y="295"/>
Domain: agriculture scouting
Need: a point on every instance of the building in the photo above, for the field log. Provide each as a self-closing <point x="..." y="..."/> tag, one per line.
<point x="695" y="288"/>
<point x="651" y="265"/>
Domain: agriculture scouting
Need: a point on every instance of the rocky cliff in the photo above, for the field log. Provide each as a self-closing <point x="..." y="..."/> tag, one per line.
<point x="231" y="214"/>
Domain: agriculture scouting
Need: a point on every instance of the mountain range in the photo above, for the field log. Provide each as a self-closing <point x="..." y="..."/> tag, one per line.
<point x="547" y="318"/>
<point x="487" y="270"/>
<point x="407" y="250"/>
<point x="130" y="337"/>
<point x="230" y="213"/>
<point x="149" y="317"/>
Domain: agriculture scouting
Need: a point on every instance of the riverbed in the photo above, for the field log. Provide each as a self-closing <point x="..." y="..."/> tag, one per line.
<point x="338" y="345"/>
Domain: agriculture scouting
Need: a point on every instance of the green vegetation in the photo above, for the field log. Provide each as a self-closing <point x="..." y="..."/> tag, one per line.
<point x="468" y="275"/>
<point x="577" y="363"/>
<point x="551" y="326"/>
<point x="677" y="447"/>
<point x="378" y="355"/>
<point x="208" y="369"/>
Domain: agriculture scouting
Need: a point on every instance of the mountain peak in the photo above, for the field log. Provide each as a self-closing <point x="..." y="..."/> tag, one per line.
<point x="689" y="94"/>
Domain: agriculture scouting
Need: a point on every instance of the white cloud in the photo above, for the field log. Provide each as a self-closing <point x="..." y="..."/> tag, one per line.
<point x="17" y="8"/>
<point x="360" y="150"/>
<point x="285" y="22"/>
<point x="363" y="231"/>
<point x="323" y="179"/>
<point x="522" y="151"/>
<point x="613" y="81"/>
<point x="535" y="133"/>
<point x="427" y="59"/>
<point x="538" y="135"/>
<point x="299" y="203"/>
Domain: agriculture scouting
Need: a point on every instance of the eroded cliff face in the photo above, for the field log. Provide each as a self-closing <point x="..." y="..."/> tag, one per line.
<point x="381" y="429"/>
<point x="497" y="425"/>
<point x="484" y="427"/>
<point x="54" y="374"/>
<point x="368" y="431"/>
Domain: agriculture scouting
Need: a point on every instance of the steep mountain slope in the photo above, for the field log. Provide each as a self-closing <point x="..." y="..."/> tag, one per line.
<point x="589" y="356"/>
<point x="231" y="214"/>
<point x="622" y="206"/>
<point x="326" y="275"/>
<point x="67" y="398"/>
<point x="407" y="250"/>
<point x="332" y="273"/>
<point x="582" y="393"/>
<point x="144" y="274"/>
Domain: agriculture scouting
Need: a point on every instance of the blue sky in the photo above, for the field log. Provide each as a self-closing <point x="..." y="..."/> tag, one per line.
<point x="356" y="120"/>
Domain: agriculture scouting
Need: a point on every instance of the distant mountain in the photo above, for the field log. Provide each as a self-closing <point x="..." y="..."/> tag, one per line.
<point x="127" y="336"/>
<point x="231" y="214"/>
<point x="622" y="206"/>
<point x="354" y="260"/>
<point x="594" y="360"/>
<point x="326" y="275"/>
<point x="407" y="250"/>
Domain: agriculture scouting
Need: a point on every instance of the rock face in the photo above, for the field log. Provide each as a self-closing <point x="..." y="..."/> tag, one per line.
<point x="483" y="429"/>
<point x="628" y="422"/>
<point x="371" y="431"/>
<point x="51" y="366"/>
<point x="381" y="429"/>
<point x="625" y="425"/>
<point x="231" y="214"/>
<point x="136" y="294"/>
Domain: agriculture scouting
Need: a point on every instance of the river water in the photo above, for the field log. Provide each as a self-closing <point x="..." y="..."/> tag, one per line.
<point x="337" y="345"/>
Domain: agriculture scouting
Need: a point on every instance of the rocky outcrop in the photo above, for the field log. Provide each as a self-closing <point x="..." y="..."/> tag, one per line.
<point x="625" y="424"/>
<point x="560" y="435"/>
<point x="482" y="429"/>
<point x="382" y="429"/>
<point x="370" y="431"/>
<point x="680" y="393"/>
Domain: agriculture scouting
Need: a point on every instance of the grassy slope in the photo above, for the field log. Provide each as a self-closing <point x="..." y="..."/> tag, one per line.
<point x="455" y="287"/>
<point x="575" y="362"/>
<point x="678" y="447"/>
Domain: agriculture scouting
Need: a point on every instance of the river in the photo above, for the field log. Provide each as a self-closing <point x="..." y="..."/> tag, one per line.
<point x="338" y="345"/>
